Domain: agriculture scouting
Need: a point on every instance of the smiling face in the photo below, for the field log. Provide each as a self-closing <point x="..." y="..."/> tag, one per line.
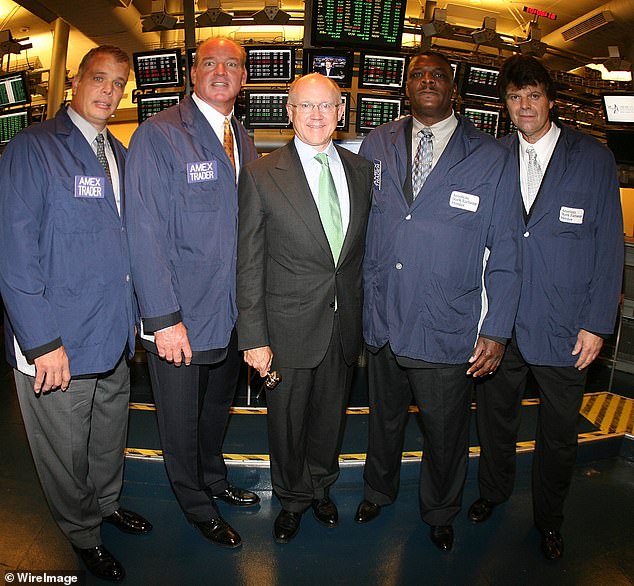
<point x="529" y="109"/>
<point x="430" y="88"/>
<point x="219" y="73"/>
<point x="99" y="89"/>
<point x="314" y="127"/>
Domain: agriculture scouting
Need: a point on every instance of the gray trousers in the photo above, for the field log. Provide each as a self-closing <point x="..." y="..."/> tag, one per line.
<point x="77" y="438"/>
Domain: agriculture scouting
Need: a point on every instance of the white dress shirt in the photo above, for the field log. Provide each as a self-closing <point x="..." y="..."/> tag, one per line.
<point x="442" y="131"/>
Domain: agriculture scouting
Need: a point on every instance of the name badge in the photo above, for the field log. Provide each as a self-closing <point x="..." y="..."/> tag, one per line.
<point x="90" y="187"/>
<point x="464" y="201"/>
<point x="202" y="171"/>
<point x="377" y="174"/>
<point x="571" y="215"/>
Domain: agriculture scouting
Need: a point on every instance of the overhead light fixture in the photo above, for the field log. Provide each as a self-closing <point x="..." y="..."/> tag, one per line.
<point x="533" y="45"/>
<point x="487" y="33"/>
<point x="159" y="20"/>
<point x="438" y="25"/>
<point x="614" y="61"/>
<point x="10" y="45"/>
<point x="214" y="15"/>
<point x="272" y="13"/>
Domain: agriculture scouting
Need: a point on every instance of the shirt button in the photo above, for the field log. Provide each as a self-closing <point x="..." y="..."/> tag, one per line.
<point x="527" y="234"/>
<point x="127" y="278"/>
<point x="399" y="266"/>
<point x="408" y="217"/>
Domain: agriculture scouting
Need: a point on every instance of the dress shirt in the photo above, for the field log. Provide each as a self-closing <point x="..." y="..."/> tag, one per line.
<point x="442" y="131"/>
<point x="544" y="148"/>
<point x="217" y="122"/>
<point x="312" y="169"/>
<point x="90" y="133"/>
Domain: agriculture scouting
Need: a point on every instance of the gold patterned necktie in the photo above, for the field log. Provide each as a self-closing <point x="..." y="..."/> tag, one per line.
<point x="227" y="142"/>
<point x="101" y="155"/>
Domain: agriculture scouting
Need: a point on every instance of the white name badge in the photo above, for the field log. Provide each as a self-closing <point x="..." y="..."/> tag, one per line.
<point x="377" y="174"/>
<point x="464" y="201"/>
<point x="89" y="187"/>
<point x="199" y="171"/>
<point x="571" y="215"/>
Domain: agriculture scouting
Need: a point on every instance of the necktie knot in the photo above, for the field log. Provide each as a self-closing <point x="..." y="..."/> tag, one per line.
<point x="322" y="159"/>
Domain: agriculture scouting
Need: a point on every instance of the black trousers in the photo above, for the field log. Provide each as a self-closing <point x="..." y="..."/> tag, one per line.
<point x="306" y="415"/>
<point x="443" y="396"/>
<point x="192" y="405"/>
<point x="498" y="417"/>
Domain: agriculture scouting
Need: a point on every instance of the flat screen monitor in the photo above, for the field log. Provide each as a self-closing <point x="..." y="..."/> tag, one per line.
<point x="344" y="123"/>
<point x="331" y="63"/>
<point x="372" y="111"/>
<point x="266" y="109"/>
<point x="14" y="89"/>
<point x="618" y="108"/>
<point x="148" y="105"/>
<point x="480" y="82"/>
<point x="270" y="64"/>
<point x="385" y="72"/>
<point x="369" y="24"/>
<point x="191" y="53"/>
<point x="11" y="123"/>
<point x="621" y="143"/>
<point x="162" y="68"/>
<point x="485" y="119"/>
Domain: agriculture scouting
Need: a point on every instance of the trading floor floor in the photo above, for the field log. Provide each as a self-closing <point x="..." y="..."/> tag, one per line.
<point x="393" y="550"/>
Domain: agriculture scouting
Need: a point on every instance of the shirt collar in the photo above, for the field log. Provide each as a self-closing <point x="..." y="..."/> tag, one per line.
<point x="212" y="115"/>
<point x="445" y="126"/>
<point x="85" y="127"/>
<point x="307" y="152"/>
<point x="544" y="145"/>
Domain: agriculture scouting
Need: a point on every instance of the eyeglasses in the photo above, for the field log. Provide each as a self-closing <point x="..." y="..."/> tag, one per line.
<point x="324" y="107"/>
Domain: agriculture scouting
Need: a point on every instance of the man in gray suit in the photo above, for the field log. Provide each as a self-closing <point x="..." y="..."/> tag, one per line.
<point x="302" y="221"/>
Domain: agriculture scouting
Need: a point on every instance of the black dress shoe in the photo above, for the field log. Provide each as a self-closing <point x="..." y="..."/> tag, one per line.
<point x="101" y="563"/>
<point x="552" y="544"/>
<point x="326" y="512"/>
<point x="366" y="512"/>
<point x="286" y="526"/>
<point x="238" y="497"/>
<point x="480" y="510"/>
<point x="442" y="536"/>
<point x="129" y="522"/>
<point x="218" y="531"/>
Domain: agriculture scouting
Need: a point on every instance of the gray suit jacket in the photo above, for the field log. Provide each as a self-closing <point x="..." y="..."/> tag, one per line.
<point x="287" y="279"/>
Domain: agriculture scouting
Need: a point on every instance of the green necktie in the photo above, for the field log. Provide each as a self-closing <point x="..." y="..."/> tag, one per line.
<point x="329" y="210"/>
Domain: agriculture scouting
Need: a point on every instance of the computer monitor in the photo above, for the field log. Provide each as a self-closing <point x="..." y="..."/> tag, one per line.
<point x="150" y="104"/>
<point x="14" y="89"/>
<point x="618" y="107"/>
<point x="270" y="63"/>
<point x="156" y="69"/>
<point x="332" y="63"/>
<point x="485" y="119"/>
<point x="266" y="109"/>
<point x="621" y="143"/>
<point x="480" y="82"/>
<point x="382" y="71"/>
<point x="372" y="111"/>
<point x="344" y="123"/>
<point x="12" y="122"/>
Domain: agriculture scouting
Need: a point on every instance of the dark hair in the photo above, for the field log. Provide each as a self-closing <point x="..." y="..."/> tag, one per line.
<point x="119" y="55"/>
<point x="523" y="70"/>
<point x="436" y="54"/>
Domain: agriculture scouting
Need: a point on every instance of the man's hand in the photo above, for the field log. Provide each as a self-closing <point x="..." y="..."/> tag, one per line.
<point x="486" y="357"/>
<point x="52" y="371"/>
<point x="587" y="347"/>
<point x="259" y="358"/>
<point x="172" y="344"/>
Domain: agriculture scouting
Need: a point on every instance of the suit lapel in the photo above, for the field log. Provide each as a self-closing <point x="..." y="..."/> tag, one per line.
<point x="289" y="176"/>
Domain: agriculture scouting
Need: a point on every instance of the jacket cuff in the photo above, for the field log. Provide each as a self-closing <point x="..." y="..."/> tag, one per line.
<point x="34" y="353"/>
<point x="498" y="339"/>
<point x="153" y="324"/>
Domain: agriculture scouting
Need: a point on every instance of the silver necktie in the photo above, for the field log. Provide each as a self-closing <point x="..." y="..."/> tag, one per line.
<point x="422" y="161"/>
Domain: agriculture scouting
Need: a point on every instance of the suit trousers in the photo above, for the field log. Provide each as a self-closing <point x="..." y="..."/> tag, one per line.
<point x="192" y="405"/>
<point x="443" y="396"/>
<point x="306" y="415"/>
<point x="499" y="401"/>
<point x="77" y="438"/>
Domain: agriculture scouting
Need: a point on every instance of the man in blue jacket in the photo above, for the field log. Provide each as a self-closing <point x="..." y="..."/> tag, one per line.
<point x="572" y="255"/>
<point x="70" y="313"/>
<point x="183" y="215"/>
<point x="443" y="224"/>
